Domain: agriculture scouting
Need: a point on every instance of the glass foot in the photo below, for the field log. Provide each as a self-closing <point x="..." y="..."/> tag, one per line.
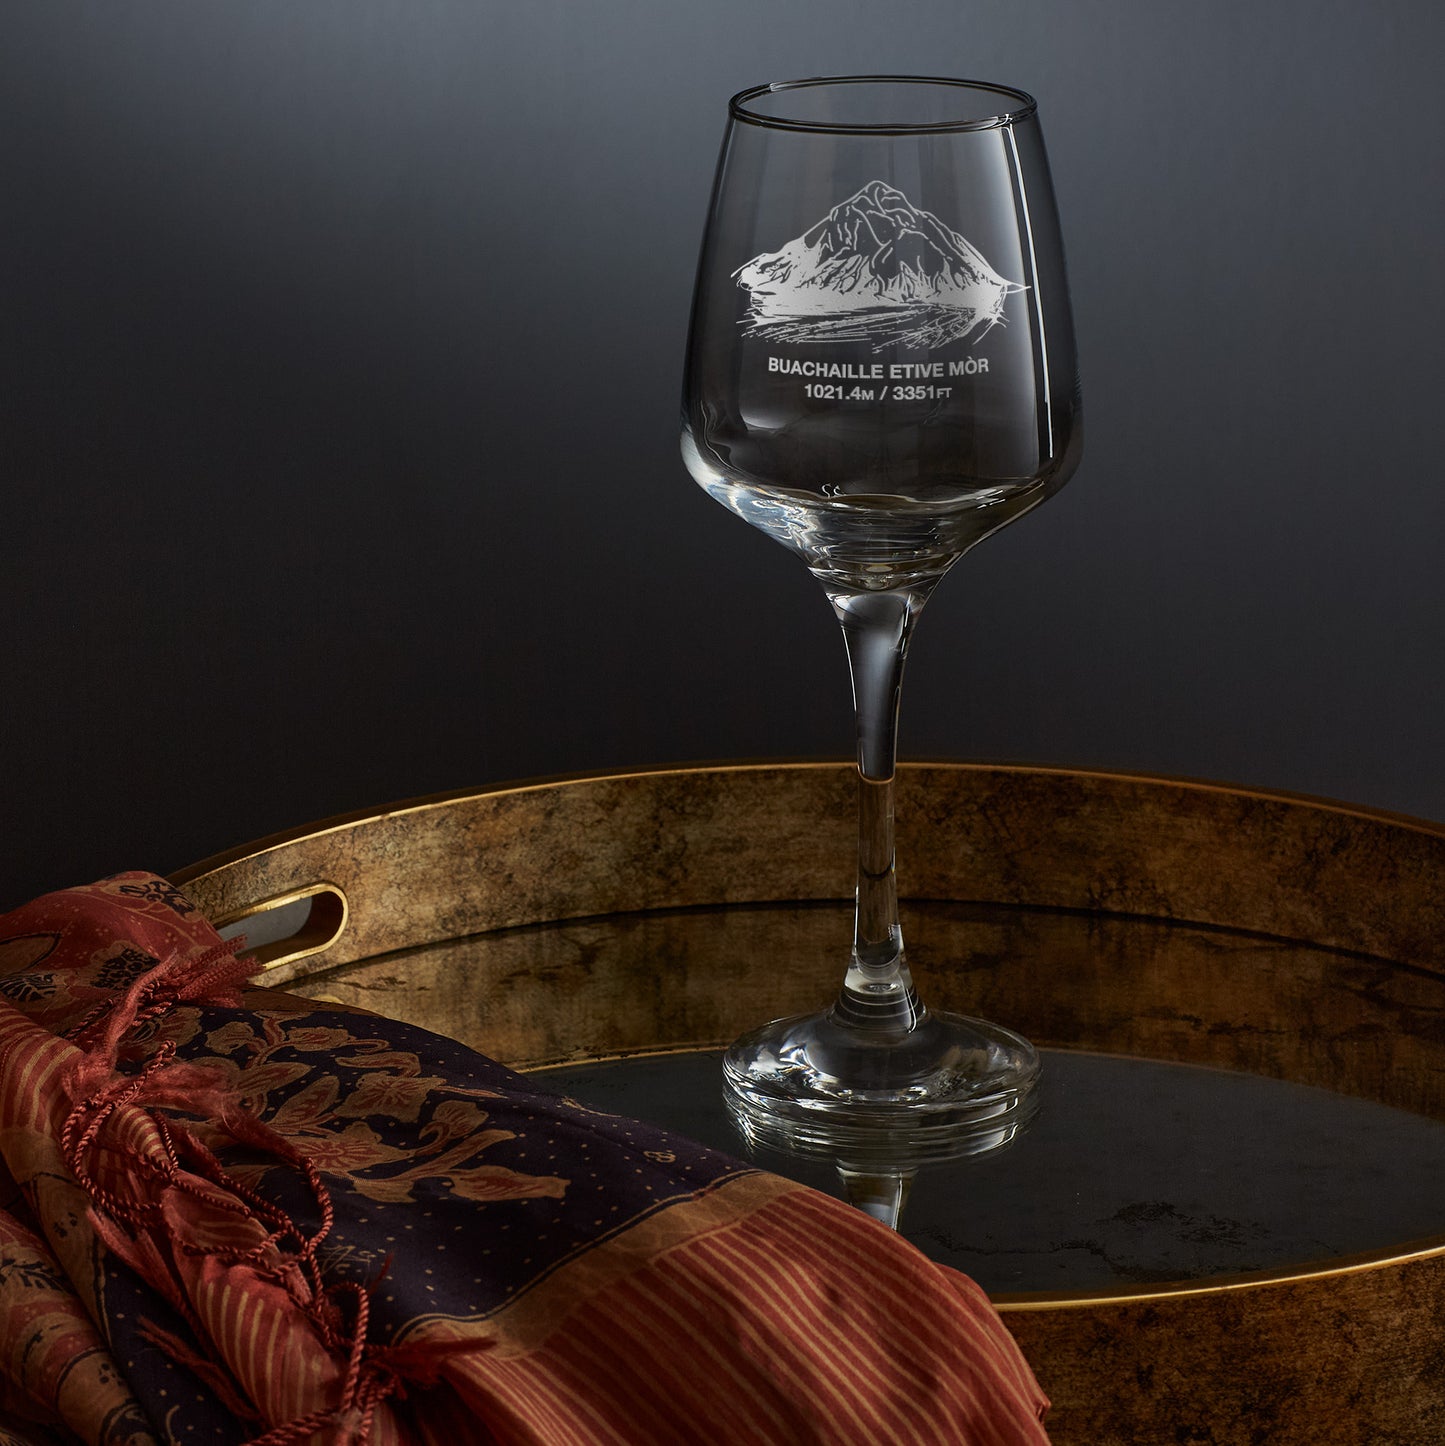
<point x="949" y="1088"/>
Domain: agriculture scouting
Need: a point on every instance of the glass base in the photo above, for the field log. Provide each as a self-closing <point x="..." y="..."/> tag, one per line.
<point x="949" y="1088"/>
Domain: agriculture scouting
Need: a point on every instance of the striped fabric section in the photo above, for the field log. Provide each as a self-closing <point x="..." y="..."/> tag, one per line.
<point x="255" y="1325"/>
<point x="34" y="1063"/>
<point x="750" y="1332"/>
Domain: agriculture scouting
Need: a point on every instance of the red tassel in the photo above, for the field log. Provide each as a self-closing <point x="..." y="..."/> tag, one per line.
<point x="134" y="1225"/>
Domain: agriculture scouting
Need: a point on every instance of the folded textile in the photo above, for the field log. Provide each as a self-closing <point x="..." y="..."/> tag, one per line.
<point x="231" y="1216"/>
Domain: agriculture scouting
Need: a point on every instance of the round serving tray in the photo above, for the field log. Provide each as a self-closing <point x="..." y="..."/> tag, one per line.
<point x="1283" y="954"/>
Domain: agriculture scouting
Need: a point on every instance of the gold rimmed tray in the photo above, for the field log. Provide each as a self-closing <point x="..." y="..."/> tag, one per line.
<point x="1257" y="938"/>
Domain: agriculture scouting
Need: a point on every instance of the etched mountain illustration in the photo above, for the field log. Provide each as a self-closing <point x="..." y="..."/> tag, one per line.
<point x="876" y="268"/>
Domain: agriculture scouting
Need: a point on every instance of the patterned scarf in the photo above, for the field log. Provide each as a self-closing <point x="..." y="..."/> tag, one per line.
<point x="229" y="1216"/>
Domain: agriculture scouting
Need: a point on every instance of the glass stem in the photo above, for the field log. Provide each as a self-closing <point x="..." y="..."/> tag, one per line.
<point x="877" y="998"/>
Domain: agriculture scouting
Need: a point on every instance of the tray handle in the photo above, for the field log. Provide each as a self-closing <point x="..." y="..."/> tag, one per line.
<point x="307" y="931"/>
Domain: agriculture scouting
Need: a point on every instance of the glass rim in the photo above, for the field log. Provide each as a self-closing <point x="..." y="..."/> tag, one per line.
<point x="738" y="108"/>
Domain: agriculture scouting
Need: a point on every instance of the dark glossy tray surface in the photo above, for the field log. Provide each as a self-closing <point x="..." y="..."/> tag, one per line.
<point x="1135" y="1172"/>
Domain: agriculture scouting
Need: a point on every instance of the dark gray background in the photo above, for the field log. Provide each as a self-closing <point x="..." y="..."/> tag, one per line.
<point x="338" y="396"/>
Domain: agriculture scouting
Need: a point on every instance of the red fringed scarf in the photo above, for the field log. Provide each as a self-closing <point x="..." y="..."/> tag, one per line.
<point x="240" y="1219"/>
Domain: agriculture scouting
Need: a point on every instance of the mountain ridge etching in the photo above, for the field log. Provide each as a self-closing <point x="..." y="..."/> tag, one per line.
<point x="877" y="269"/>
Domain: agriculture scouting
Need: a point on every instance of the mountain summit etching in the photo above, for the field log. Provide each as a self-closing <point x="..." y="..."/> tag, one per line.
<point x="874" y="269"/>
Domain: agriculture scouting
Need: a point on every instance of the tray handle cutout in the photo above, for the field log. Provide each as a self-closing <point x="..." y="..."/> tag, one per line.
<point x="290" y="926"/>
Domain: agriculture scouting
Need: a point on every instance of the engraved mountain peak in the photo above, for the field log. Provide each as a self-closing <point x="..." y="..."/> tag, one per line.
<point x="875" y="267"/>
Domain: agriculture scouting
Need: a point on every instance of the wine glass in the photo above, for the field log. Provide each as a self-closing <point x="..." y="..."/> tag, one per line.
<point x="880" y="373"/>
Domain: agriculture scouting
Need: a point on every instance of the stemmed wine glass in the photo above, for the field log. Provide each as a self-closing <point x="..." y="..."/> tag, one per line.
<point x="881" y="373"/>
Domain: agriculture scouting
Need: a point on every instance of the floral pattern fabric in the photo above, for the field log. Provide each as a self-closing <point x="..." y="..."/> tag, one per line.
<point x="229" y="1216"/>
